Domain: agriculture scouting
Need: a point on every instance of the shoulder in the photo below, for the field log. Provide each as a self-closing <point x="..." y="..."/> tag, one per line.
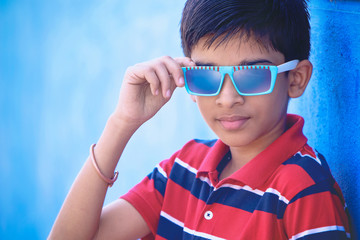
<point x="315" y="200"/>
<point x="198" y="146"/>
<point x="191" y="154"/>
<point x="200" y="143"/>
<point x="306" y="168"/>
<point x="311" y="165"/>
<point x="197" y="149"/>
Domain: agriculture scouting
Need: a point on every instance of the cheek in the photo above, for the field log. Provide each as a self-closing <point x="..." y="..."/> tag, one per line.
<point x="279" y="97"/>
<point x="282" y="86"/>
<point x="204" y="103"/>
<point x="270" y="106"/>
<point x="205" y="107"/>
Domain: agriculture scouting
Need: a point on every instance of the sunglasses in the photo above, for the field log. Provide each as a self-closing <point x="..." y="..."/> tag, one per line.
<point x="248" y="80"/>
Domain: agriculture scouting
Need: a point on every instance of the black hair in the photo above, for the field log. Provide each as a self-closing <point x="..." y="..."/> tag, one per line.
<point x="282" y="25"/>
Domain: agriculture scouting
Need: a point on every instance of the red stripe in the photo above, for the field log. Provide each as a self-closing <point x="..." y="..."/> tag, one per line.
<point x="175" y="193"/>
<point x="328" y="208"/>
<point x="148" y="205"/>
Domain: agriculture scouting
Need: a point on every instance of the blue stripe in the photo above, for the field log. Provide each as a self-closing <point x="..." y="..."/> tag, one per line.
<point x="270" y="203"/>
<point x="241" y="199"/>
<point x="168" y="229"/>
<point x="209" y="143"/>
<point x="316" y="171"/>
<point x="330" y="235"/>
<point x="159" y="181"/>
<point x="317" y="188"/>
<point x="182" y="176"/>
<point x="249" y="201"/>
<point x="201" y="190"/>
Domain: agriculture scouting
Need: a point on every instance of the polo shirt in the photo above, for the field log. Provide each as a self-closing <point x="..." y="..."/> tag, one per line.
<point x="285" y="192"/>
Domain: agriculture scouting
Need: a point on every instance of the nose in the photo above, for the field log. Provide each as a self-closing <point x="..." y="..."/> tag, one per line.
<point x="228" y="96"/>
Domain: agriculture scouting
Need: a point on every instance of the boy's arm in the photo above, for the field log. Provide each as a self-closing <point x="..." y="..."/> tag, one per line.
<point x="146" y="88"/>
<point x="128" y="225"/>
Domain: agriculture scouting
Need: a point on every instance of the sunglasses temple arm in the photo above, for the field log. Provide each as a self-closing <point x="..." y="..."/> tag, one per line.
<point x="287" y="66"/>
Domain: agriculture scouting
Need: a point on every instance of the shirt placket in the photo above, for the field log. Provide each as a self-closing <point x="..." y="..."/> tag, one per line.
<point x="207" y="217"/>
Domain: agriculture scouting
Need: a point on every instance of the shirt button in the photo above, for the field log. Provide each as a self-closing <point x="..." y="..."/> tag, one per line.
<point x="208" y="215"/>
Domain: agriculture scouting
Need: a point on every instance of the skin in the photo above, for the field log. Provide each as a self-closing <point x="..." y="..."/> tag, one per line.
<point x="146" y="88"/>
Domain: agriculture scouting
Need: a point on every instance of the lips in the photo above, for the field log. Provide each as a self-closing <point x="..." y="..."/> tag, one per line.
<point x="232" y="122"/>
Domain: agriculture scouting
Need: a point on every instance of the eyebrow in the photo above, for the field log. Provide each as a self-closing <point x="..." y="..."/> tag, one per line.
<point x="242" y="63"/>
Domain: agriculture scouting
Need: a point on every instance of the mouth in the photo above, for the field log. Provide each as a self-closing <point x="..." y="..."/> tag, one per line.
<point x="233" y="122"/>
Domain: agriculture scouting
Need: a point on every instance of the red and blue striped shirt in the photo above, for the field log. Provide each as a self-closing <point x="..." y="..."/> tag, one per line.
<point x="285" y="192"/>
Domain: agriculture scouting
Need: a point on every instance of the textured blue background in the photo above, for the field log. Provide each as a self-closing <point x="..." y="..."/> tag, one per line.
<point x="61" y="67"/>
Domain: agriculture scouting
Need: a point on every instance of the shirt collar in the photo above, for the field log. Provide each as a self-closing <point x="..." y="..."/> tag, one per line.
<point x="260" y="168"/>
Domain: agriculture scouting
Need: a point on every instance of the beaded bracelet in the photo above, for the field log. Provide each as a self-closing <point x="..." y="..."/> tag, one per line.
<point x="110" y="181"/>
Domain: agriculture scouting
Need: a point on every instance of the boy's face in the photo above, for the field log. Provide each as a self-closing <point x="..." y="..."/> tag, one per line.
<point x="250" y="122"/>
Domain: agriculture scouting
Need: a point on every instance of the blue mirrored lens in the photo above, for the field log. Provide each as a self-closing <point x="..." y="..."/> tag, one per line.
<point x="253" y="80"/>
<point x="203" y="81"/>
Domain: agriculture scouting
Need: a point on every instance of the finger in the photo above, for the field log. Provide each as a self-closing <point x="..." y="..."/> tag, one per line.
<point x="165" y="79"/>
<point x="185" y="61"/>
<point x="142" y="74"/>
<point x="174" y="69"/>
<point x="152" y="78"/>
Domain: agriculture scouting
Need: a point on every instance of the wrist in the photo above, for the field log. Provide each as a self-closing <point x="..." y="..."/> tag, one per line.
<point x="121" y="124"/>
<point x="111" y="144"/>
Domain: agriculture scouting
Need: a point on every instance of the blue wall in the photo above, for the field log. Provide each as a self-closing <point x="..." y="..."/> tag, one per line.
<point x="331" y="104"/>
<point x="61" y="66"/>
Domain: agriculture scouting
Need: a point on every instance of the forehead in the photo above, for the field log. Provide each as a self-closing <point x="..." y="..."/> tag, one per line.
<point x="233" y="51"/>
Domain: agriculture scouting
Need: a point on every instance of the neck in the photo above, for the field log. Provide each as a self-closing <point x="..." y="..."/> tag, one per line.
<point x="241" y="155"/>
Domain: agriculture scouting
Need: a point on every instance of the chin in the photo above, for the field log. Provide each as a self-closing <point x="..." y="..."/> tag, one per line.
<point x="236" y="140"/>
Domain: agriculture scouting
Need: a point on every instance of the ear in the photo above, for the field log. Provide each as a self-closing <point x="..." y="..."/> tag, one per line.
<point x="299" y="78"/>
<point x="193" y="97"/>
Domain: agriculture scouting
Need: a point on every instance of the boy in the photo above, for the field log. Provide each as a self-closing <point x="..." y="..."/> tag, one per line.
<point x="244" y="60"/>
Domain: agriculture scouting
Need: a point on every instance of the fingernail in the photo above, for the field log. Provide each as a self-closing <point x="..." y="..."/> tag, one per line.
<point x="181" y="80"/>
<point x="168" y="93"/>
<point x="157" y="92"/>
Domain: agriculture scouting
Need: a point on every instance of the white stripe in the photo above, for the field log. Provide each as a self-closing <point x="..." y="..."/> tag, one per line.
<point x="185" y="165"/>
<point x="307" y="155"/>
<point x="172" y="219"/>
<point x="161" y="171"/>
<point x="276" y="192"/>
<point x="205" y="179"/>
<point x="201" y="234"/>
<point x="317" y="157"/>
<point x="246" y="187"/>
<point x="319" y="230"/>
<point x="257" y="191"/>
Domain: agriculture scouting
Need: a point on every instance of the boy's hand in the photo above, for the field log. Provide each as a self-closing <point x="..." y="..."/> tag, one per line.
<point x="147" y="87"/>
